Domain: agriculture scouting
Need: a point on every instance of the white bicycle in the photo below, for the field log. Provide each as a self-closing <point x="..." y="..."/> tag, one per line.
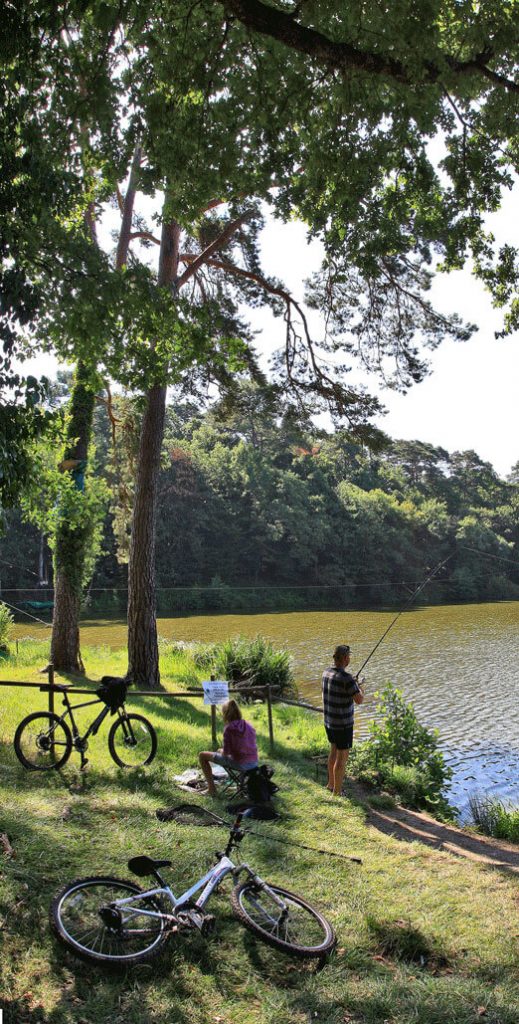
<point x="114" y="922"/>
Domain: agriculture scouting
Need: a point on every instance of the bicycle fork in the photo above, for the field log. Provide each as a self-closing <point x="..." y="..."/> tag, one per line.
<point x="262" y="886"/>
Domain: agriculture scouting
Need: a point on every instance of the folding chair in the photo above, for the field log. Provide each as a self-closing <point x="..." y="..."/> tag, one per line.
<point x="235" y="784"/>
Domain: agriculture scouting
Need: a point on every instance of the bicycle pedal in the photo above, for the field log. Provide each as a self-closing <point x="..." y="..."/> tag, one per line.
<point x="204" y="923"/>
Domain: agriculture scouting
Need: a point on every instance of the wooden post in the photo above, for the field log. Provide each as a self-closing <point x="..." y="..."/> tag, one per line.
<point x="214" y="737"/>
<point x="271" y="726"/>
<point x="50" y="674"/>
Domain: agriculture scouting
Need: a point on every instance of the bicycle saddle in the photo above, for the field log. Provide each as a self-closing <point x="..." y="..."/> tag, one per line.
<point x="142" y="866"/>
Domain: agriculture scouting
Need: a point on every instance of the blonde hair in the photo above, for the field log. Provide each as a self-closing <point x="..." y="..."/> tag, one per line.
<point x="231" y="711"/>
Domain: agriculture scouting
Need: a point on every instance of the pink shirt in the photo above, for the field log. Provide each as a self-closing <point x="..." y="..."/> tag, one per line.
<point x="239" y="742"/>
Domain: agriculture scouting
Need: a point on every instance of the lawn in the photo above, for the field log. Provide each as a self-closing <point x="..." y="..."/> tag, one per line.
<point x="424" y="937"/>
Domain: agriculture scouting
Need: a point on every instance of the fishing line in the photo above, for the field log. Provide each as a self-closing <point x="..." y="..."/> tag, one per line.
<point x="194" y="814"/>
<point x="402" y="610"/>
<point x="22" y="567"/>
<point x="302" y="846"/>
<point x="28" y="614"/>
<point x="486" y="554"/>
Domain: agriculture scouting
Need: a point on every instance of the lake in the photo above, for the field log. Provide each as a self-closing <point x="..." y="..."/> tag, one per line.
<point x="458" y="665"/>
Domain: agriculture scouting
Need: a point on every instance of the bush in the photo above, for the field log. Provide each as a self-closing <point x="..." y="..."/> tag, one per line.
<point x="254" y="662"/>
<point x="494" y="818"/>
<point x="403" y="756"/>
<point x="6" y="626"/>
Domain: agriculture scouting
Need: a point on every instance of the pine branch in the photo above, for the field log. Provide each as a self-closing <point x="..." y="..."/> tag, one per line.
<point x="214" y="246"/>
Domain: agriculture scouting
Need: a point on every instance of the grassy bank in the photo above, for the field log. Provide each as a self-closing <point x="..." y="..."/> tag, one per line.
<point x="424" y="937"/>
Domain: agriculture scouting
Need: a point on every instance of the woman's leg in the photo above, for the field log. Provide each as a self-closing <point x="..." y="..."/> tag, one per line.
<point x="205" y="758"/>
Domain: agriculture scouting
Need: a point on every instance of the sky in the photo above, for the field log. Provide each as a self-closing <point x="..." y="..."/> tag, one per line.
<point x="470" y="398"/>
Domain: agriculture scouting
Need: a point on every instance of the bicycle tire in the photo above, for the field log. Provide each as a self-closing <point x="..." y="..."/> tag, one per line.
<point x="321" y="936"/>
<point x="66" y="915"/>
<point x="42" y="742"/>
<point x="149" y="744"/>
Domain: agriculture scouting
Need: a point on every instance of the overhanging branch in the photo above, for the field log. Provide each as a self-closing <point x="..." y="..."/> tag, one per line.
<point x="342" y="56"/>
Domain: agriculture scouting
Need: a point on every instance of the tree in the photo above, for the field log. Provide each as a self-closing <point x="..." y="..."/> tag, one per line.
<point x="185" y="104"/>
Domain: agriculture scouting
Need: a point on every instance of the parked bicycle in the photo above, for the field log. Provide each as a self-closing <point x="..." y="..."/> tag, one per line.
<point x="114" y="922"/>
<point x="45" y="740"/>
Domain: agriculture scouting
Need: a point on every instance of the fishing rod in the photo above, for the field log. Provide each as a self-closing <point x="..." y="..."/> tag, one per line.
<point x="402" y="610"/>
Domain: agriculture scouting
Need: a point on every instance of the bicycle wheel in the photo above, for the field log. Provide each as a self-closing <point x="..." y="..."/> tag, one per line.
<point x="85" y="918"/>
<point x="132" y="741"/>
<point x="300" y="931"/>
<point x="42" y="741"/>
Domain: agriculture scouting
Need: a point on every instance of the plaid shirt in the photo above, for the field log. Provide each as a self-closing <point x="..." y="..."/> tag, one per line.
<point x="338" y="690"/>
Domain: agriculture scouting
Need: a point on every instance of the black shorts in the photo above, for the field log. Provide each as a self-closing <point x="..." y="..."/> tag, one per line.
<point x="341" y="738"/>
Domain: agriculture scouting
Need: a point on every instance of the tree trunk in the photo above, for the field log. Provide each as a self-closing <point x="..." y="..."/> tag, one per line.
<point x="143" y="651"/>
<point x="72" y="539"/>
<point x="65" y="650"/>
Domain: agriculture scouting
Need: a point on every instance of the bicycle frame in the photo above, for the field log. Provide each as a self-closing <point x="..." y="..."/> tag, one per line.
<point x="94" y="726"/>
<point x="209" y="883"/>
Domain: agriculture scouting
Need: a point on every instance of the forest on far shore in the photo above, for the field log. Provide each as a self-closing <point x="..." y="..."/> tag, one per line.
<point x="259" y="509"/>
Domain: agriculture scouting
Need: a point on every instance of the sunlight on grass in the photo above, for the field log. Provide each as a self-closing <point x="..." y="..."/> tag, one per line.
<point x="424" y="938"/>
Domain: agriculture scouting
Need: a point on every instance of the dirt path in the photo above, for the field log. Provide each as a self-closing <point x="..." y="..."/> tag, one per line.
<point x="415" y="826"/>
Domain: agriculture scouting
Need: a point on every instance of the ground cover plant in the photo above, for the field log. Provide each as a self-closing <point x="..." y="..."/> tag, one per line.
<point x="403" y="756"/>
<point x="6" y="626"/>
<point x="494" y="818"/>
<point x="424" y="938"/>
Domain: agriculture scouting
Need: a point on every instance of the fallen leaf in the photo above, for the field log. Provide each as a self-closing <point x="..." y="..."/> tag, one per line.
<point x="6" y="846"/>
<point x="482" y="1010"/>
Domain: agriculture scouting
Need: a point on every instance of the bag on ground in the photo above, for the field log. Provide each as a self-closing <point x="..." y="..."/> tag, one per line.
<point x="260" y="788"/>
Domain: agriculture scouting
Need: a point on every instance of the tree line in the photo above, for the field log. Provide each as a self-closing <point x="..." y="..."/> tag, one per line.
<point x="259" y="509"/>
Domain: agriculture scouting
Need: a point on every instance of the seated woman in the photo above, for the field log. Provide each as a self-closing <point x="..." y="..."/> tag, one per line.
<point x="239" y="746"/>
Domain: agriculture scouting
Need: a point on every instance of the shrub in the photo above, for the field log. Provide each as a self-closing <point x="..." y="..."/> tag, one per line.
<point x="402" y="755"/>
<point x="494" y="818"/>
<point x="255" y="662"/>
<point x="6" y="625"/>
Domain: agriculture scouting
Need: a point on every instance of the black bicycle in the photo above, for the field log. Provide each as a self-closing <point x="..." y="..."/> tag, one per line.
<point x="45" y="741"/>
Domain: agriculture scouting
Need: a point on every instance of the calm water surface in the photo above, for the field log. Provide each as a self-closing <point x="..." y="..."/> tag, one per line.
<point x="458" y="664"/>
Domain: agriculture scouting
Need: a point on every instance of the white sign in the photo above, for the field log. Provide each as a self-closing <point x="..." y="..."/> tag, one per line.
<point x="216" y="691"/>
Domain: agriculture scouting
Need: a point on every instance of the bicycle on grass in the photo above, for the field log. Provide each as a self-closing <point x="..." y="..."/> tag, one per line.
<point x="45" y="740"/>
<point x="113" y="922"/>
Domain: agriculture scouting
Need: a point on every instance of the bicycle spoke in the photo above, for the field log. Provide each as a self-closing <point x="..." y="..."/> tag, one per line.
<point x="132" y="742"/>
<point x="82" y="925"/>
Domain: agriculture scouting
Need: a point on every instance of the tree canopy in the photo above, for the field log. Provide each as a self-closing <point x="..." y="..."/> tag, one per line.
<point x="389" y="130"/>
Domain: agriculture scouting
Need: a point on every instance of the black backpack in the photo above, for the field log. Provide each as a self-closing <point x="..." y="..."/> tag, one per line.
<point x="260" y="789"/>
<point x="113" y="692"/>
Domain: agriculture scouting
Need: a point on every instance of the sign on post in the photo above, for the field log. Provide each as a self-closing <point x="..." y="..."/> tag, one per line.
<point x="216" y="691"/>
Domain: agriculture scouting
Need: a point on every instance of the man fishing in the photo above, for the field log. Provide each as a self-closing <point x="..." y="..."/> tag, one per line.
<point x="340" y="692"/>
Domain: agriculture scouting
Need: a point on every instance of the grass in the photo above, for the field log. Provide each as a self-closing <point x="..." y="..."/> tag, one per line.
<point x="424" y="937"/>
<point x="494" y="818"/>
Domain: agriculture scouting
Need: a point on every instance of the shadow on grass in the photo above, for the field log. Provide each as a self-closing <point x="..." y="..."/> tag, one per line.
<point x="400" y="940"/>
<point x="411" y="827"/>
